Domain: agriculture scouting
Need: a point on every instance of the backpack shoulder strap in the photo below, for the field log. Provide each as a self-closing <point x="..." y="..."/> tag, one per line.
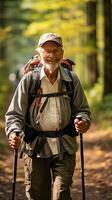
<point x="70" y="88"/>
<point x="69" y="85"/>
<point x="35" y="83"/>
<point x="34" y="86"/>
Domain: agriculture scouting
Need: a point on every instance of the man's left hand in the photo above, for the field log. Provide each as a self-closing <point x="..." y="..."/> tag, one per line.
<point x="81" y="125"/>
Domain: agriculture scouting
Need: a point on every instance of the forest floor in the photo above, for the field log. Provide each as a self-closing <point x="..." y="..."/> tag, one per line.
<point x="98" y="168"/>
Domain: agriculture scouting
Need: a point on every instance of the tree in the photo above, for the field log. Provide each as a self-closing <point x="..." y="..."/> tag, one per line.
<point x="107" y="7"/>
<point x="14" y="20"/>
<point x="92" y="63"/>
<point x="68" y="18"/>
<point x="2" y="31"/>
<point x="64" y="17"/>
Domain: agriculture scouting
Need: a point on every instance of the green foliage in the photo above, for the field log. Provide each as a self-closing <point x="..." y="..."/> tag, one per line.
<point x="107" y="105"/>
<point x="5" y="89"/>
<point x="63" y="17"/>
<point x="29" y="19"/>
<point x="95" y="95"/>
<point x="5" y="33"/>
<point x="101" y="109"/>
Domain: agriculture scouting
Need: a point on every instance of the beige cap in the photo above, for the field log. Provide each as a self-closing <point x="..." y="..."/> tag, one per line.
<point x="50" y="37"/>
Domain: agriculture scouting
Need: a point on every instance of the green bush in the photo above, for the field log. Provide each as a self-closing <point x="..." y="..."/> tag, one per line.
<point x="101" y="108"/>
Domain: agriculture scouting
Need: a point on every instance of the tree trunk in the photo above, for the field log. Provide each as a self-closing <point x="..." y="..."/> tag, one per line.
<point x="92" y="63"/>
<point x="2" y="26"/>
<point x="107" y="5"/>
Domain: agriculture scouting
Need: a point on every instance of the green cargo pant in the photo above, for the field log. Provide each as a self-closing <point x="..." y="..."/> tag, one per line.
<point x="45" y="174"/>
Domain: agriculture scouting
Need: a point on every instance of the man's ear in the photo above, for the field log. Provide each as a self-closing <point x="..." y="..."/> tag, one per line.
<point x="62" y="53"/>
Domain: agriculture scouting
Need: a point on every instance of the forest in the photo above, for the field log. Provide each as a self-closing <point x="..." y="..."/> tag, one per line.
<point x="86" y="29"/>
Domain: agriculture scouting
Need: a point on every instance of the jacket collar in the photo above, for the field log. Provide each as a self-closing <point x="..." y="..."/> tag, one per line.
<point x="64" y="74"/>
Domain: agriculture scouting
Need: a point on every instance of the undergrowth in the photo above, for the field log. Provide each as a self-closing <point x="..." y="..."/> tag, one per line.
<point x="101" y="107"/>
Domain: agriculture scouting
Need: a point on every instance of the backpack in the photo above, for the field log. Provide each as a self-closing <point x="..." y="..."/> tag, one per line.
<point x="34" y="65"/>
<point x="34" y="90"/>
<point x="34" y="62"/>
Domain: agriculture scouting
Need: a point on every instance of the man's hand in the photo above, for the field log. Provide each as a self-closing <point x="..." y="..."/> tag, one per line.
<point x="81" y="125"/>
<point x="14" y="141"/>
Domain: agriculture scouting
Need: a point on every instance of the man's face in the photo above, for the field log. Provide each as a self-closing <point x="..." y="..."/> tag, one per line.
<point x="51" y="54"/>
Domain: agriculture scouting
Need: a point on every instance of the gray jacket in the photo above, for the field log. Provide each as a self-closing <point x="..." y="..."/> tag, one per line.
<point x="15" y="116"/>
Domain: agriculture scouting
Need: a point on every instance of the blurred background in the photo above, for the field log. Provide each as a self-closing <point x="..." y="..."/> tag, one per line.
<point x="86" y="29"/>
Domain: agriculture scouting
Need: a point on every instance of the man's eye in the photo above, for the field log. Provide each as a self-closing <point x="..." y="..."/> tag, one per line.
<point x="55" y="51"/>
<point x="47" y="51"/>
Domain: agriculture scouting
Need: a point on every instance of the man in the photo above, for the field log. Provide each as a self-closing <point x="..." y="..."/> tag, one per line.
<point x="50" y="156"/>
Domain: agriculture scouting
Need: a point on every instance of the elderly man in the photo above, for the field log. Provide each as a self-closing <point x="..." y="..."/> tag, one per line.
<point x="48" y="124"/>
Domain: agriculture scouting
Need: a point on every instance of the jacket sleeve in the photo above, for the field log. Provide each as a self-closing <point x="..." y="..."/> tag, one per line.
<point x="80" y="104"/>
<point x="15" y="115"/>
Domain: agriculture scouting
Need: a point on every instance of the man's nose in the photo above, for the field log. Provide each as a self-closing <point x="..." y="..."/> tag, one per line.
<point x="51" y="54"/>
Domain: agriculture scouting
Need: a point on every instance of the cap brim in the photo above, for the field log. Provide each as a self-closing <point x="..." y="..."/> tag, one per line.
<point x="41" y="44"/>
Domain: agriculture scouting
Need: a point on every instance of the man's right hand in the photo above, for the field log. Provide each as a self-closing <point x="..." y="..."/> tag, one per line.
<point x="14" y="141"/>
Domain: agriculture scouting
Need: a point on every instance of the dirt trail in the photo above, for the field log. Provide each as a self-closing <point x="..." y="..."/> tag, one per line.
<point x="98" y="170"/>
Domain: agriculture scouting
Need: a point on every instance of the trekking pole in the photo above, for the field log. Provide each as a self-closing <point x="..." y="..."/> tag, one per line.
<point x="82" y="161"/>
<point x="82" y="165"/>
<point x="14" y="171"/>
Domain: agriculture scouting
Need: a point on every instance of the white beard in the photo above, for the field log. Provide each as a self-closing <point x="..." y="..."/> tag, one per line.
<point x="51" y="67"/>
